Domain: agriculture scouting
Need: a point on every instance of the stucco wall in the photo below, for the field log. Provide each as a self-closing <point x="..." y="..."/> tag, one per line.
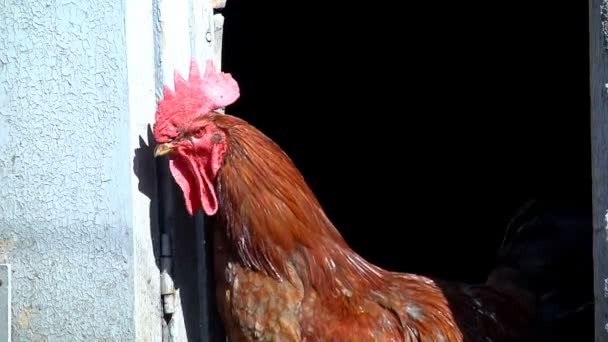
<point x="66" y="225"/>
<point x="78" y="187"/>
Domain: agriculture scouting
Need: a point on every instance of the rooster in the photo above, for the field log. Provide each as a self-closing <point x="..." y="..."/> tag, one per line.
<point x="284" y="272"/>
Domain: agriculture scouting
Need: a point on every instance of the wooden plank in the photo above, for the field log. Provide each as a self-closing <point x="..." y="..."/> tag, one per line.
<point x="202" y="32"/>
<point x="191" y="311"/>
<point x="218" y="33"/>
<point x="598" y="28"/>
<point x="180" y="27"/>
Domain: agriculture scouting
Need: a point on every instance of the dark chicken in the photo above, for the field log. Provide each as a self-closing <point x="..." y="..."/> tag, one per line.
<point x="283" y="271"/>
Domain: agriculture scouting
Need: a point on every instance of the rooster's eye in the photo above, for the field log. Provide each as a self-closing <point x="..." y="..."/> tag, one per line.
<point x="199" y="134"/>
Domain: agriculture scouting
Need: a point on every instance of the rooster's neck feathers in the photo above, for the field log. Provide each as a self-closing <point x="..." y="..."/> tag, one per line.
<point x="274" y="221"/>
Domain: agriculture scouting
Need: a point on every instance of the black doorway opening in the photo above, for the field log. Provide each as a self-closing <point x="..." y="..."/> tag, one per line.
<point x="420" y="127"/>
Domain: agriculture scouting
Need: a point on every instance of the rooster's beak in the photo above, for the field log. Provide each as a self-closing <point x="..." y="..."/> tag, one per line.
<point x="163" y="149"/>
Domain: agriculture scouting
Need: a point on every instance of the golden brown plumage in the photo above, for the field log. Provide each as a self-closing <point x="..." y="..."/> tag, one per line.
<point x="283" y="271"/>
<point x="284" y="266"/>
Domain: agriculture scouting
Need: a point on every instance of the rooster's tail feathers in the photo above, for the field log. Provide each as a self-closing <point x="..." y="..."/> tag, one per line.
<point x="549" y="245"/>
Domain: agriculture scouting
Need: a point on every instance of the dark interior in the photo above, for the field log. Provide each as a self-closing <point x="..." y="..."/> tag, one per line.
<point x="466" y="111"/>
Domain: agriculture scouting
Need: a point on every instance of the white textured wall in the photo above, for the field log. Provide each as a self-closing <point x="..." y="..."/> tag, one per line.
<point x="66" y="223"/>
<point x="78" y="190"/>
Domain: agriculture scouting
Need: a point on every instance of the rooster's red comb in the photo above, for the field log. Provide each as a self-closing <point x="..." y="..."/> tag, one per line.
<point x="191" y="98"/>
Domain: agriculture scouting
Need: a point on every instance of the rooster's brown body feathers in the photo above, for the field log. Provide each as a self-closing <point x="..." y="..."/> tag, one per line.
<point x="285" y="274"/>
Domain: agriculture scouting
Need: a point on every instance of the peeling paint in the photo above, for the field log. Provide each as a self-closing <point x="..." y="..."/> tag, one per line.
<point x="6" y="245"/>
<point x="65" y="213"/>
<point x="24" y="318"/>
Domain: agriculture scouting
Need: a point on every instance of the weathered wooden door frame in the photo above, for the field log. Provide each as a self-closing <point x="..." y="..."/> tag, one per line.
<point x="598" y="47"/>
<point x="186" y="276"/>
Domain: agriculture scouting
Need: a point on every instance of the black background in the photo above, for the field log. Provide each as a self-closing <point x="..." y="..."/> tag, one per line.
<point x="421" y="128"/>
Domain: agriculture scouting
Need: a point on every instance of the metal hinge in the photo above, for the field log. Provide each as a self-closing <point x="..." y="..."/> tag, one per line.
<point x="167" y="289"/>
<point x="5" y="302"/>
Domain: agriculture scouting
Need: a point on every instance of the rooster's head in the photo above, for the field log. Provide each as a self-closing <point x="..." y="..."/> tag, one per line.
<point x="194" y="144"/>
